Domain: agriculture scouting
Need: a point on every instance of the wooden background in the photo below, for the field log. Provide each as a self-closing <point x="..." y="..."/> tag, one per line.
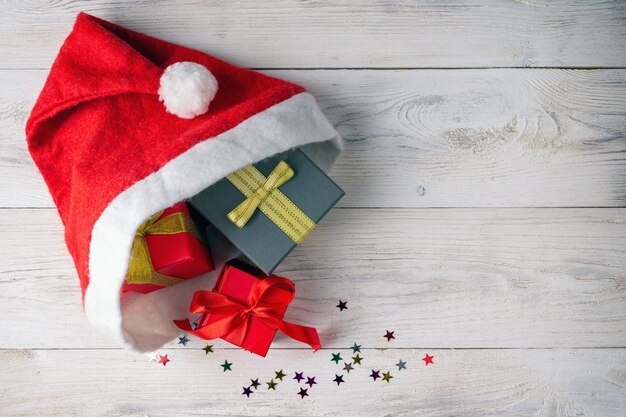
<point x="484" y="222"/>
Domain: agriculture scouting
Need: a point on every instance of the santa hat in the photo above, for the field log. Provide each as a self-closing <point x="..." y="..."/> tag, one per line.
<point x="127" y="125"/>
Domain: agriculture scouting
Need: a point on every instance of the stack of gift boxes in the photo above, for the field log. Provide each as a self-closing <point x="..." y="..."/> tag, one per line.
<point x="265" y="210"/>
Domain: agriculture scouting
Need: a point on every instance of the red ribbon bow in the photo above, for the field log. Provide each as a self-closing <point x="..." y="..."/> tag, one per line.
<point x="265" y="302"/>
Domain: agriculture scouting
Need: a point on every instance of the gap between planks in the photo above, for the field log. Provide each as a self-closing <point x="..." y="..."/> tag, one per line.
<point x="328" y="349"/>
<point x="383" y="68"/>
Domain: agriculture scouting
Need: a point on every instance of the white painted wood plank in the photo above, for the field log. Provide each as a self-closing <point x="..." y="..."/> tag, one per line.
<point x="343" y="34"/>
<point x="477" y="138"/>
<point x="428" y="138"/>
<point x="535" y="383"/>
<point x="453" y="278"/>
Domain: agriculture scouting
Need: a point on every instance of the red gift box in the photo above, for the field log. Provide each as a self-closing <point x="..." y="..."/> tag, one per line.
<point x="180" y="255"/>
<point x="246" y="308"/>
<point x="237" y="280"/>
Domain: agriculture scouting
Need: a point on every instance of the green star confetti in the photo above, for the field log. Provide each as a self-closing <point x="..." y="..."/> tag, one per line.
<point x="227" y="366"/>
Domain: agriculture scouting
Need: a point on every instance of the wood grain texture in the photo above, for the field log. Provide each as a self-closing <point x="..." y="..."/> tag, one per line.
<point x="343" y="34"/>
<point x="524" y="308"/>
<point x="428" y="138"/>
<point x="535" y="383"/>
<point x="455" y="278"/>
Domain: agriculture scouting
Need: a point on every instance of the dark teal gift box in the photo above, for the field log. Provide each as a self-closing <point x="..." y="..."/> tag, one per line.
<point x="282" y="218"/>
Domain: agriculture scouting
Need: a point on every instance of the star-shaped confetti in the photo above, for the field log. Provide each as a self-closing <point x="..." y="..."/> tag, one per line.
<point x="271" y="385"/>
<point x="246" y="391"/>
<point x="343" y="305"/>
<point x="207" y="348"/>
<point x="336" y="358"/>
<point x="356" y="359"/>
<point x="163" y="359"/>
<point x="389" y="335"/>
<point x="401" y="365"/>
<point x="356" y="348"/>
<point x="375" y="374"/>
<point x="227" y="365"/>
<point x="183" y="340"/>
<point x="280" y="375"/>
<point x="154" y="356"/>
<point x="299" y="376"/>
<point x="303" y="392"/>
<point x="428" y="359"/>
<point x="310" y="381"/>
<point x="255" y="383"/>
<point x="387" y="376"/>
<point x="338" y="379"/>
<point x="347" y="367"/>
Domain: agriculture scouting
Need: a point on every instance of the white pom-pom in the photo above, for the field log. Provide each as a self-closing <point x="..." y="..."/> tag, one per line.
<point x="186" y="89"/>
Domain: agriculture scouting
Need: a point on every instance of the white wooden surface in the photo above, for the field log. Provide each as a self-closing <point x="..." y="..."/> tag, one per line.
<point x="485" y="220"/>
<point x="345" y="33"/>
<point x="484" y="382"/>
<point x="454" y="278"/>
<point x="428" y="138"/>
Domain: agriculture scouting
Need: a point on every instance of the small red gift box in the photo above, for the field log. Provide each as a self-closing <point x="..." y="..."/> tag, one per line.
<point x="236" y="280"/>
<point x="176" y="256"/>
<point x="181" y="255"/>
<point x="246" y="308"/>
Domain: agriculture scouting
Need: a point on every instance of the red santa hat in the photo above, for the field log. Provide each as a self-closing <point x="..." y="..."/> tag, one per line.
<point x="127" y="125"/>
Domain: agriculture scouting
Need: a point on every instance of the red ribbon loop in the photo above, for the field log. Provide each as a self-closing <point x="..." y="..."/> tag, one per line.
<point x="265" y="302"/>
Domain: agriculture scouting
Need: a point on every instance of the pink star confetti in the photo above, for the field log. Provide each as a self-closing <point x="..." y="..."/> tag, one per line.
<point x="428" y="359"/>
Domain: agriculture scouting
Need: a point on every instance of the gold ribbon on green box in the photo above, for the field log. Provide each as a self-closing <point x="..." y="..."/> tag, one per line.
<point x="140" y="268"/>
<point x="263" y="193"/>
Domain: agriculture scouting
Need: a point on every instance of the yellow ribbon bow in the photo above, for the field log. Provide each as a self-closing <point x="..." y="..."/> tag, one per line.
<point x="263" y="193"/>
<point x="140" y="268"/>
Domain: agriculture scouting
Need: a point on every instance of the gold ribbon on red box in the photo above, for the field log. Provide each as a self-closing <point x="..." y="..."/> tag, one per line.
<point x="140" y="268"/>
